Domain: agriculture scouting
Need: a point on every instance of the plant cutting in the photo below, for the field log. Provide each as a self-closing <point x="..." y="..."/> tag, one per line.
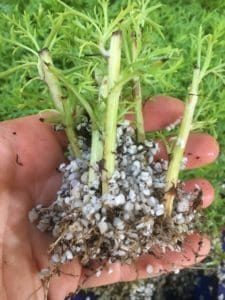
<point x="117" y="200"/>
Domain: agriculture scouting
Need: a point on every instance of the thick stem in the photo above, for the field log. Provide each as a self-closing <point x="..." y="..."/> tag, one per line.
<point x="177" y="154"/>
<point x="44" y="65"/>
<point x="137" y="98"/>
<point x="44" y="62"/>
<point x="138" y="110"/>
<point x="114" y="90"/>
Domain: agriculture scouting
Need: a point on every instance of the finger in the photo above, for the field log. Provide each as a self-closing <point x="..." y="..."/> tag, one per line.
<point x="205" y="186"/>
<point x="7" y="165"/>
<point x="201" y="149"/>
<point x="66" y="282"/>
<point x="110" y="274"/>
<point x="161" y="111"/>
<point x="195" y="248"/>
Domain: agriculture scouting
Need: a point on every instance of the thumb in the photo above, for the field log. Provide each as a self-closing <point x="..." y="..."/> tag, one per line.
<point x="8" y="161"/>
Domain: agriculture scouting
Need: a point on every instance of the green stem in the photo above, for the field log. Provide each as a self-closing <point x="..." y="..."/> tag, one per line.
<point x="138" y="110"/>
<point x="68" y="122"/>
<point x="114" y="91"/>
<point x="44" y="62"/>
<point x="73" y="140"/>
<point x="96" y="153"/>
<point x="178" y="151"/>
<point x="14" y="69"/>
<point x="137" y="97"/>
<point x="44" y="65"/>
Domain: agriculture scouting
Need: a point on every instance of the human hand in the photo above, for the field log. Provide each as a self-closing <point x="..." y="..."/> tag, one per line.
<point x="30" y="153"/>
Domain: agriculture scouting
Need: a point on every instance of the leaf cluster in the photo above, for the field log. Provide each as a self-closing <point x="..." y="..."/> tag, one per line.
<point x="79" y="41"/>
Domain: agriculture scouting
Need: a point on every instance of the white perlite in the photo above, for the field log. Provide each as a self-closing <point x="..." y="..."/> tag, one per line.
<point x="44" y="273"/>
<point x="98" y="273"/>
<point x="176" y="271"/>
<point x="102" y="225"/>
<point x="173" y="125"/>
<point x="180" y="143"/>
<point x="149" y="269"/>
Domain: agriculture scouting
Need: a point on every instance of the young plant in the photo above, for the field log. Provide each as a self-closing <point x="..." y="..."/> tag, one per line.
<point x="200" y="71"/>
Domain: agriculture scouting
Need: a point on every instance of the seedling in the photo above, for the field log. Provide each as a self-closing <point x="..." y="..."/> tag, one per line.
<point x="116" y="201"/>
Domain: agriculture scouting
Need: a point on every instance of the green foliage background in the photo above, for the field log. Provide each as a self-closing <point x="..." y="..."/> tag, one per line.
<point x="180" y="21"/>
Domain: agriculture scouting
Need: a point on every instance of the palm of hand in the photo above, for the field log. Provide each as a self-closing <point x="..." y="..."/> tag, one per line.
<point x="30" y="153"/>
